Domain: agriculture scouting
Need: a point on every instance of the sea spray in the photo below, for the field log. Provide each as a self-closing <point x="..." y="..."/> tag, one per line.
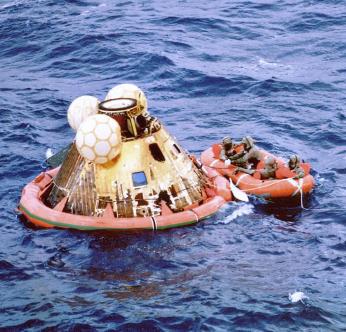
<point x="242" y="210"/>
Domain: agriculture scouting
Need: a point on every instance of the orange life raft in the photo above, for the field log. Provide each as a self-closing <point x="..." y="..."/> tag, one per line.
<point x="34" y="209"/>
<point x="276" y="188"/>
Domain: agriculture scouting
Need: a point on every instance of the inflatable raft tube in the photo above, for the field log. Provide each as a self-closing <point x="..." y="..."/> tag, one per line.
<point x="32" y="207"/>
<point x="273" y="189"/>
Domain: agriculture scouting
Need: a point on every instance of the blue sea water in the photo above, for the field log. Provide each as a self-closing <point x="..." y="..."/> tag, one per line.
<point x="272" y="69"/>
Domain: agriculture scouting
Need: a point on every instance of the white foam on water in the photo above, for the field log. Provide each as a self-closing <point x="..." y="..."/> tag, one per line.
<point x="297" y="297"/>
<point x="224" y="207"/>
<point x="273" y="65"/>
<point x="241" y="211"/>
<point x="11" y="4"/>
<point x="49" y="153"/>
<point x="88" y="11"/>
<point x="16" y="3"/>
<point x="6" y="6"/>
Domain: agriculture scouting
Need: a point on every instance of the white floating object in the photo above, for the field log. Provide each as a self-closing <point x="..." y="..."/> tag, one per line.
<point x="297" y="296"/>
<point x="80" y="109"/>
<point x="98" y="139"/>
<point x="49" y="153"/>
<point x="129" y="91"/>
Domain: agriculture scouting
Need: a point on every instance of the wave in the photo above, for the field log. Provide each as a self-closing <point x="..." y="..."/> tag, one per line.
<point x="271" y="70"/>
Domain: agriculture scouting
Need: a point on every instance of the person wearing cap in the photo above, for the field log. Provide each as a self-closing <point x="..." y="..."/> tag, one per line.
<point x="269" y="170"/>
<point x="294" y="169"/>
<point x="227" y="149"/>
<point x="249" y="156"/>
<point x="295" y="165"/>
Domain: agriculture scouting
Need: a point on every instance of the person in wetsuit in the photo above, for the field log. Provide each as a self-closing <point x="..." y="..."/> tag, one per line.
<point x="227" y="149"/>
<point x="249" y="157"/>
<point x="294" y="169"/>
<point x="265" y="173"/>
<point x="271" y="169"/>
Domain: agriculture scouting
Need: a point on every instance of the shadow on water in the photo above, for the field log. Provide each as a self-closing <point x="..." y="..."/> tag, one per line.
<point x="128" y="265"/>
<point x="288" y="210"/>
<point x="134" y="265"/>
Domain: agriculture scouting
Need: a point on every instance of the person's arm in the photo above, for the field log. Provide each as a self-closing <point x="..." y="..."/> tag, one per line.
<point x="237" y="155"/>
<point x="245" y="170"/>
<point x="223" y="155"/>
<point x="255" y="154"/>
<point x="257" y="174"/>
<point x="299" y="173"/>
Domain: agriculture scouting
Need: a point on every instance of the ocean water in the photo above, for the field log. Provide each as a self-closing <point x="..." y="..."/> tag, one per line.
<point x="272" y="69"/>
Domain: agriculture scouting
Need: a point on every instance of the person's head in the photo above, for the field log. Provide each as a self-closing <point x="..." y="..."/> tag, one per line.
<point x="294" y="161"/>
<point x="248" y="142"/>
<point x="227" y="142"/>
<point x="270" y="162"/>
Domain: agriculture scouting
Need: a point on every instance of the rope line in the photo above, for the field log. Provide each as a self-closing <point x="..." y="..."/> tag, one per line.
<point x="260" y="187"/>
<point x="299" y="185"/>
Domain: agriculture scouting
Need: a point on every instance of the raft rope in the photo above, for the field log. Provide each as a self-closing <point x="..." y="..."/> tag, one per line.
<point x="299" y="185"/>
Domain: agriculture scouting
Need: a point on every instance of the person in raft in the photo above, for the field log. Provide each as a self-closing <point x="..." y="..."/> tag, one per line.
<point x="294" y="169"/>
<point x="249" y="156"/>
<point x="265" y="170"/>
<point x="228" y="149"/>
<point x="270" y="169"/>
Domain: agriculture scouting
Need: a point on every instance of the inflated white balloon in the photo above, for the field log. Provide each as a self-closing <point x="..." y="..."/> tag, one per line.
<point x="80" y="109"/>
<point x="98" y="139"/>
<point x="129" y="91"/>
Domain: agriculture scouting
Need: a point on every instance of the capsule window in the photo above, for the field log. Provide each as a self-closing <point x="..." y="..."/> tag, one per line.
<point x="156" y="152"/>
<point x="139" y="179"/>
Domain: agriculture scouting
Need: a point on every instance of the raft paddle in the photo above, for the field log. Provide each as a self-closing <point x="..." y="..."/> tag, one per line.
<point x="237" y="193"/>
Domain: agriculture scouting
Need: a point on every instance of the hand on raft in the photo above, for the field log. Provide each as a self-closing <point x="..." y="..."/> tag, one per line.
<point x="244" y="170"/>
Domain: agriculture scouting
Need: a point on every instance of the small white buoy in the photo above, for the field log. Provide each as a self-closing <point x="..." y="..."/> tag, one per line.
<point x="49" y="153"/>
<point x="297" y="297"/>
